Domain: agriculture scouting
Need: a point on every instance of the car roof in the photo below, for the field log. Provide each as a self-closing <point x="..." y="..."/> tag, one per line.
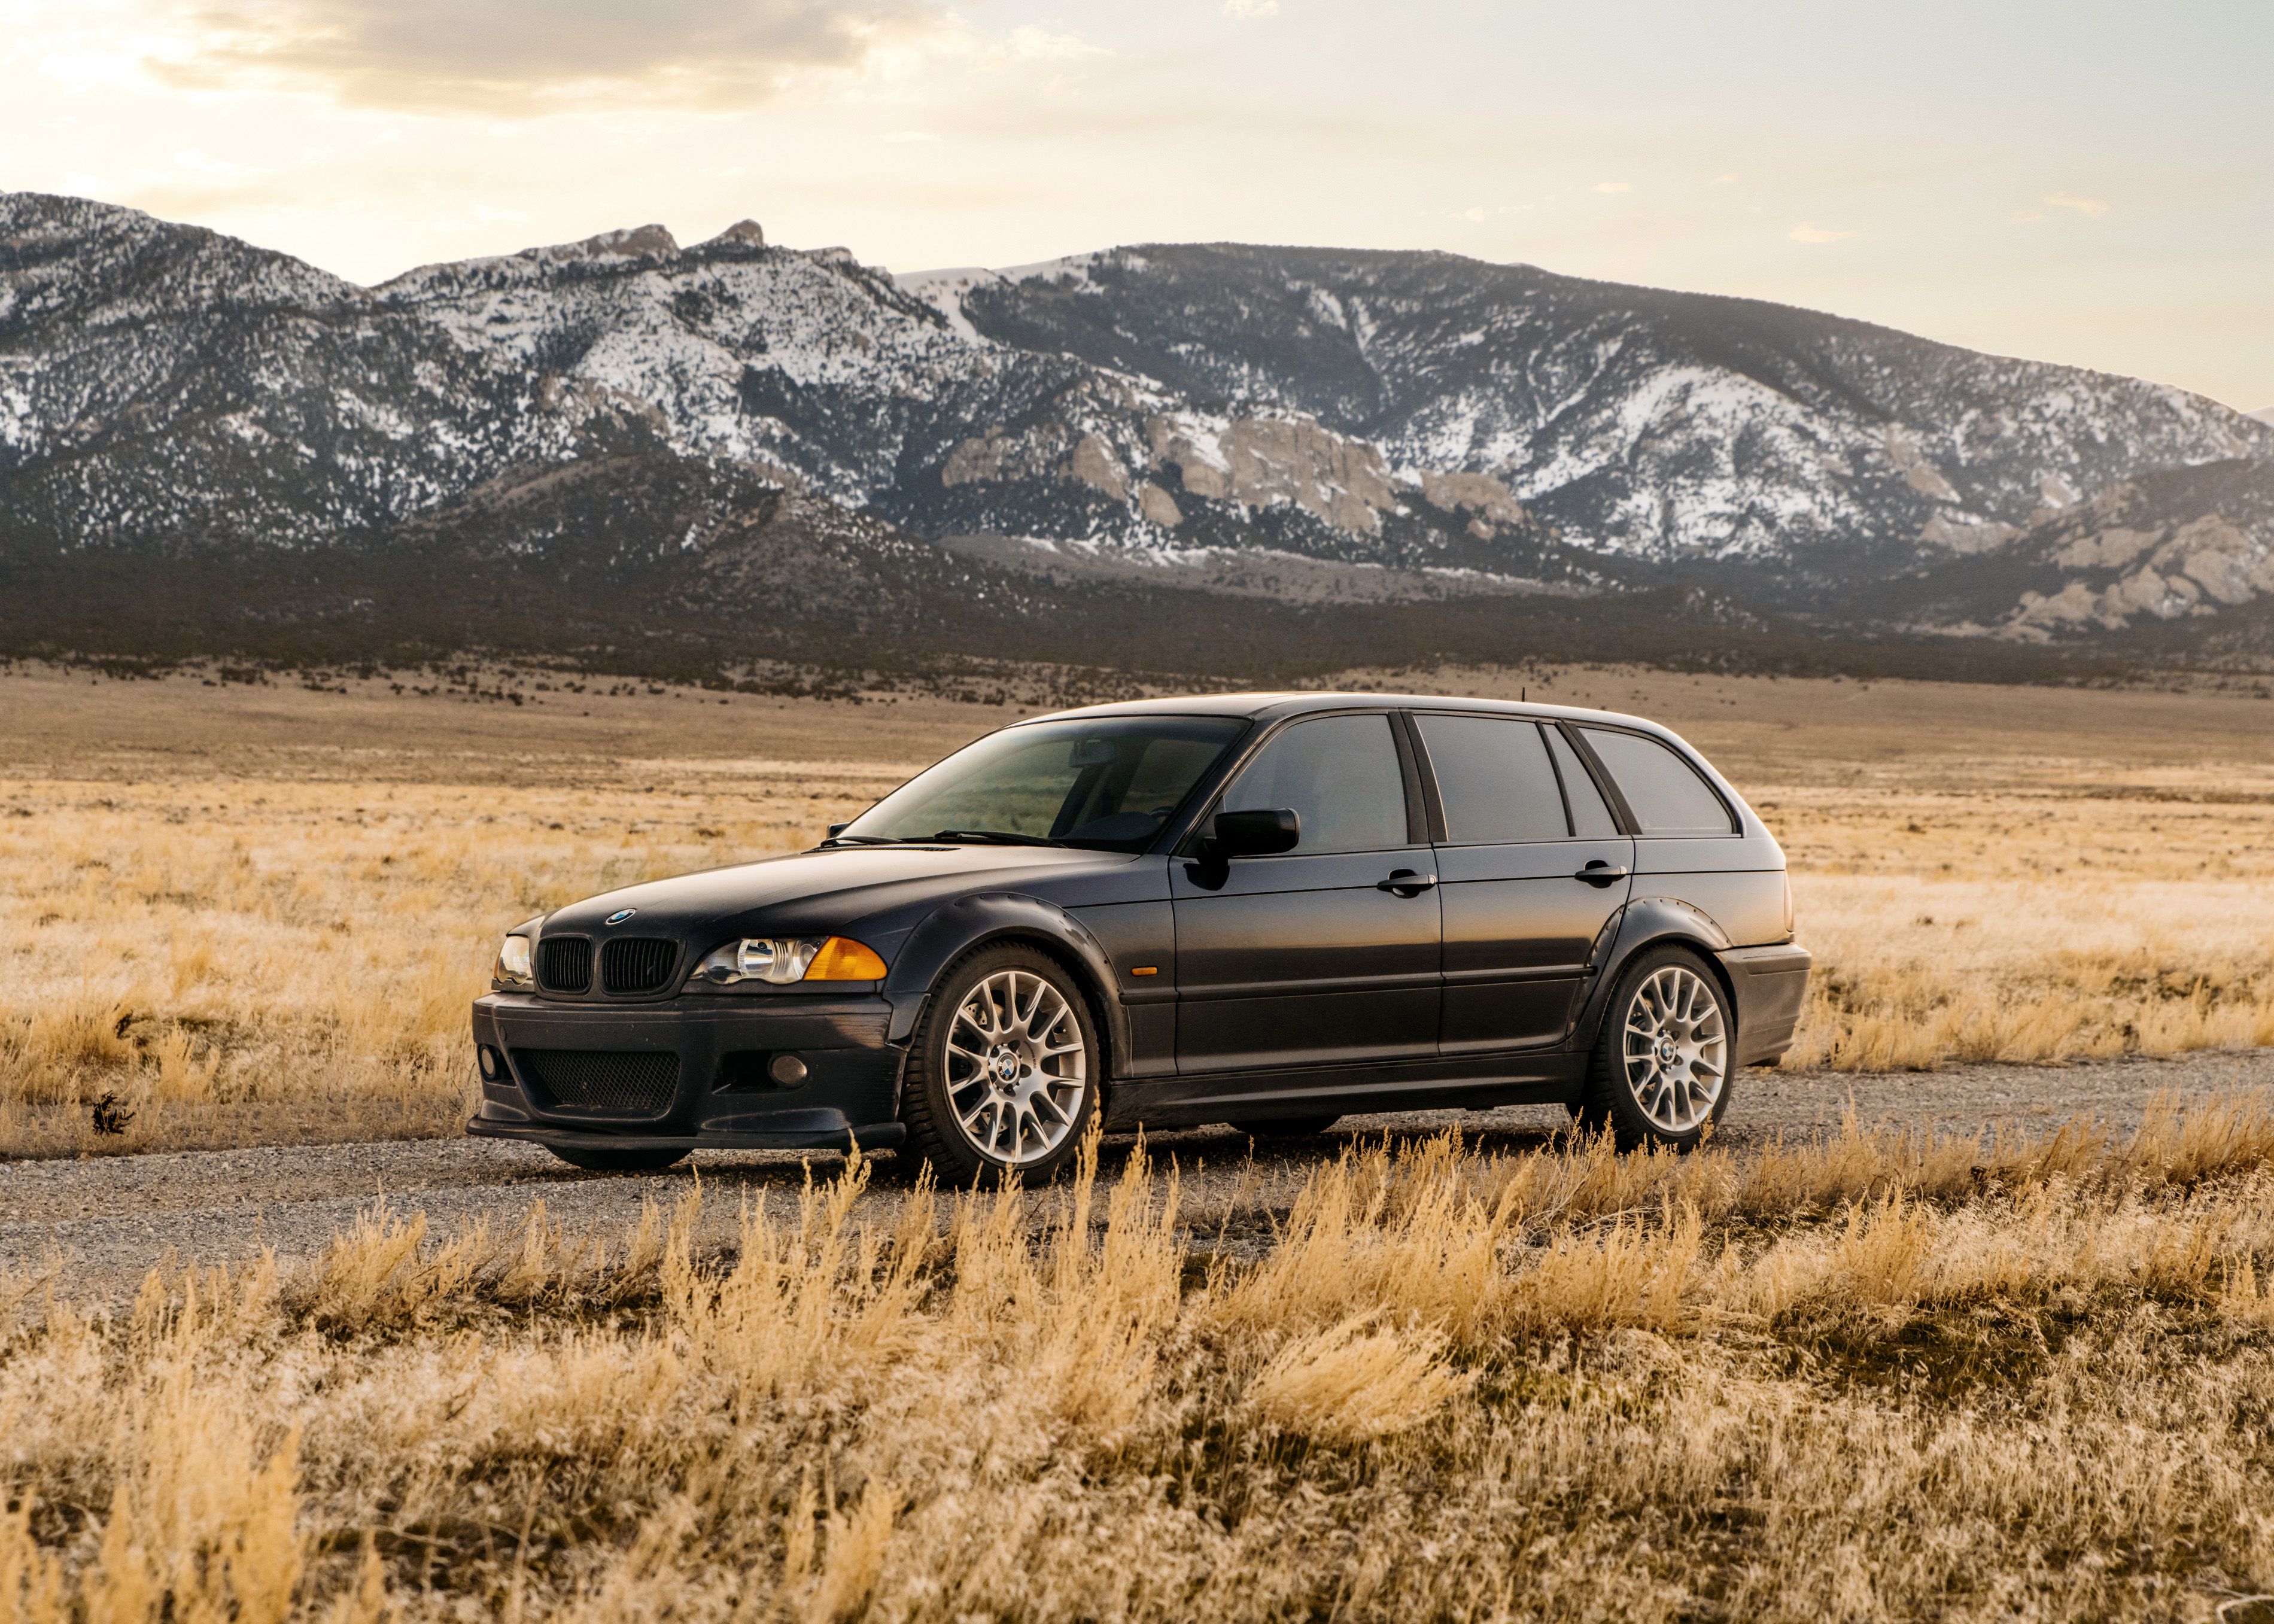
<point x="1272" y="706"/>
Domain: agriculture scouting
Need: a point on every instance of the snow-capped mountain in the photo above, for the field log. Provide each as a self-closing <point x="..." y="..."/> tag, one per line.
<point x="629" y="404"/>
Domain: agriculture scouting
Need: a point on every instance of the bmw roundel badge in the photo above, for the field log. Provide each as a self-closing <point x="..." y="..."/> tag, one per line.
<point x="619" y="916"/>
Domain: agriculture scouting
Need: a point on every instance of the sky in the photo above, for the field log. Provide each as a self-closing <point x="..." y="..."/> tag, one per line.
<point x="2090" y="182"/>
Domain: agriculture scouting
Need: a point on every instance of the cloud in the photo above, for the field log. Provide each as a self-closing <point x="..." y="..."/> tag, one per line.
<point x="1817" y="234"/>
<point x="2069" y="199"/>
<point x="1032" y="44"/>
<point x="523" y="56"/>
<point x="1250" y="11"/>
<point x="1614" y="187"/>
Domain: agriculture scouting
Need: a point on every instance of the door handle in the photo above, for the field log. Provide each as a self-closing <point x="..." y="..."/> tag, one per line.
<point x="1406" y="882"/>
<point x="1599" y="873"/>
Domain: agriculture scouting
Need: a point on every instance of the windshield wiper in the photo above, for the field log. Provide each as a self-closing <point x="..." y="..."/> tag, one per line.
<point x="993" y="836"/>
<point x="867" y="841"/>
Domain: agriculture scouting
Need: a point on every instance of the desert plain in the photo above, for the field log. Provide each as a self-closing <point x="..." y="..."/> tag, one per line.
<point x="2023" y="1369"/>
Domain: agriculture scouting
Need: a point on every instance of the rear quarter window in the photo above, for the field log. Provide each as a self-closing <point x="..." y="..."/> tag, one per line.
<point x="1664" y="792"/>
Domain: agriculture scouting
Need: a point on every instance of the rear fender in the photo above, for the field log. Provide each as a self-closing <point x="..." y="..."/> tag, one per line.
<point x="968" y="922"/>
<point x="1653" y="921"/>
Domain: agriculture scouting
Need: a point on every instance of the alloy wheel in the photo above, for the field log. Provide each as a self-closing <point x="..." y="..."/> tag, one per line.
<point x="1016" y="1067"/>
<point x="1676" y="1048"/>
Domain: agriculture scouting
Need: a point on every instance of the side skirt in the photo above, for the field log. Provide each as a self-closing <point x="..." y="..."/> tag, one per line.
<point x="1470" y="1082"/>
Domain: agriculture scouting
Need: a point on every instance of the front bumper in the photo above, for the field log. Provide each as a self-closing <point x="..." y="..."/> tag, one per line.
<point x="714" y="1055"/>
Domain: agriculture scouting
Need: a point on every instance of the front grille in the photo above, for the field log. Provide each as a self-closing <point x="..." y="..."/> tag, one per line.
<point x="637" y="964"/>
<point x="564" y="964"/>
<point x="590" y="1079"/>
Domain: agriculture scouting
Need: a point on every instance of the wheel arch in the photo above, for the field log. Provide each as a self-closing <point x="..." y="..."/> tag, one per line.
<point x="969" y="923"/>
<point x="1651" y="922"/>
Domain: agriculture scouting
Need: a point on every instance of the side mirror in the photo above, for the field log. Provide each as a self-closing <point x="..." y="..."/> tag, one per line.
<point x="1255" y="834"/>
<point x="836" y="830"/>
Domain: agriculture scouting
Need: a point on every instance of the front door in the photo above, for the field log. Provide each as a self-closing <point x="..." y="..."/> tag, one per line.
<point x="1326" y="953"/>
<point x="1533" y="866"/>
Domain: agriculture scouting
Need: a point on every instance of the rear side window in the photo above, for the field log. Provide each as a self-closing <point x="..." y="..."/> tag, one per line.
<point x="1664" y="792"/>
<point x="1339" y="775"/>
<point x="1495" y="779"/>
<point x="1591" y="819"/>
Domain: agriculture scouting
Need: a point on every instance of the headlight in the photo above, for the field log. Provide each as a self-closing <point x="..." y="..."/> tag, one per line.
<point x="782" y="959"/>
<point x="513" y="963"/>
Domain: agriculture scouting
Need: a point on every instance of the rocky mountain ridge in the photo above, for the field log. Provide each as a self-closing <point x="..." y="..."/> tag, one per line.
<point x="1496" y="431"/>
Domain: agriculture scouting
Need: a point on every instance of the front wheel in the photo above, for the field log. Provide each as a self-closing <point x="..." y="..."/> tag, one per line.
<point x="593" y="1159"/>
<point x="1003" y="1068"/>
<point x="1661" y="1070"/>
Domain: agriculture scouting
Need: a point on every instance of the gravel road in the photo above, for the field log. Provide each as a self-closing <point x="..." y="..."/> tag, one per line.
<point x="93" y="1227"/>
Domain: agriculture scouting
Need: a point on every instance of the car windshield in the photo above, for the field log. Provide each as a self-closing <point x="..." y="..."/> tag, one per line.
<point x="1109" y="784"/>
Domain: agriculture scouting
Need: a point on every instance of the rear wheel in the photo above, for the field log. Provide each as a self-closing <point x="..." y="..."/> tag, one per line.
<point x="1284" y="1127"/>
<point x="1661" y="1068"/>
<point x="594" y="1159"/>
<point x="1003" y="1068"/>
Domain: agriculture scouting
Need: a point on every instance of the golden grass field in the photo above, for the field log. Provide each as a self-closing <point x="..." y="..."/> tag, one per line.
<point x="1869" y="1378"/>
<point x="257" y="914"/>
<point x="1879" y="1376"/>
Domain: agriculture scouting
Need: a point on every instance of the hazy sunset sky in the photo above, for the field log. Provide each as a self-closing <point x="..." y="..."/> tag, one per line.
<point x="2090" y="182"/>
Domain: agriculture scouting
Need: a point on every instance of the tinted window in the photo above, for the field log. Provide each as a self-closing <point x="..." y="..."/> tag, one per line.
<point x="1664" y="790"/>
<point x="1590" y="818"/>
<point x="1339" y="775"/>
<point x="1495" y="779"/>
<point x="1109" y="783"/>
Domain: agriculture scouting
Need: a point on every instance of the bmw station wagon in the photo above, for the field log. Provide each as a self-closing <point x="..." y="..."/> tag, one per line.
<point x="1266" y="910"/>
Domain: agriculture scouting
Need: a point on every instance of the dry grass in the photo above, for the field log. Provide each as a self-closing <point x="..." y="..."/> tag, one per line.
<point x="1878" y="1376"/>
<point x="2037" y="926"/>
<point x="260" y="915"/>
<point x="305" y="951"/>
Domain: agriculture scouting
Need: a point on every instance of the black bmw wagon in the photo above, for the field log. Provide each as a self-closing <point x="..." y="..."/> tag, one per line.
<point x="1268" y="910"/>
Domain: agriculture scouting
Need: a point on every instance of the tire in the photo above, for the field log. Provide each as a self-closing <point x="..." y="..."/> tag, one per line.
<point x="1284" y="1127"/>
<point x="1662" y="1067"/>
<point x="595" y="1159"/>
<point x="1003" y="1068"/>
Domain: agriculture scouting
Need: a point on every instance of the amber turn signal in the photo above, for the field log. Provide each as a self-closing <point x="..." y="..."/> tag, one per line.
<point x="843" y="960"/>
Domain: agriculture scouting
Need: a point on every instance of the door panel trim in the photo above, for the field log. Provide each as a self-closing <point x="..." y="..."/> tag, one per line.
<point x="1320" y="989"/>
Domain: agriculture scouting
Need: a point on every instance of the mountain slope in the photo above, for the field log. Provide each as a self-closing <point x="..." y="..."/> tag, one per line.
<point x="748" y="434"/>
<point x="1676" y="428"/>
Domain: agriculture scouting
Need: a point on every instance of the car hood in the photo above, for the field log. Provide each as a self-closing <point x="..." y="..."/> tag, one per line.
<point x="835" y="889"/>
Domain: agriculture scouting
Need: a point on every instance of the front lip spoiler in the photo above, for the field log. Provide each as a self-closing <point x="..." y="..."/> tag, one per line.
<point x="876" y="1136"/>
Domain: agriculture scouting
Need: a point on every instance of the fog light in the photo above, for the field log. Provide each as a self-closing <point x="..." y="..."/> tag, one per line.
<point x="787" y="1070"/>
<point x="493" y="1063"/>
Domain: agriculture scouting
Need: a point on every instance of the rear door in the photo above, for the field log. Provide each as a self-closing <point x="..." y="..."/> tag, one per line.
<point x="1328" y="953"/>
<point x="1532" y="864"/>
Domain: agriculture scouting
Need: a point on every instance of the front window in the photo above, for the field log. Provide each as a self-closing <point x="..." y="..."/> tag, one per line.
<point x="1339" y="776"/>
<point x="1111" y="784"/>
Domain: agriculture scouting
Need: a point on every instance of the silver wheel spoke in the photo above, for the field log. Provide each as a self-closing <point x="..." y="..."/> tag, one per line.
<point x="1676" y="1046"/>
<point x="1018" y="1038"/>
